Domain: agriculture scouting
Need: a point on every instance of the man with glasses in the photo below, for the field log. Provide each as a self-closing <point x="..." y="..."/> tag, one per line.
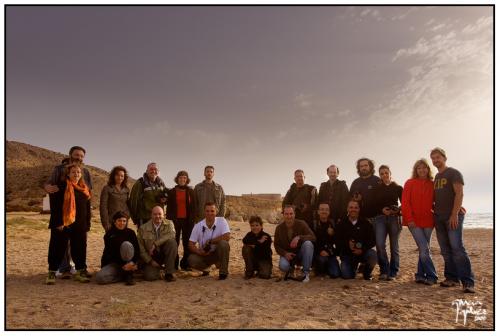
<point x="209" y="243"/>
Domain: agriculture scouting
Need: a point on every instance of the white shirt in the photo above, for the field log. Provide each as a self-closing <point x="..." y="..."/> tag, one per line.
<point x="201" y="233"/>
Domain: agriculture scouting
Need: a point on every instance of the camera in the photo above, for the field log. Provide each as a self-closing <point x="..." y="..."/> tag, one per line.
<point x="394" y="208"/>
<point x="207" y="246"/>
<point x="358" y="245"/>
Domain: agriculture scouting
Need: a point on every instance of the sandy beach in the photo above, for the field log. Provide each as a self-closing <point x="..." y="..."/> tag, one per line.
<point x="194" y="302"/>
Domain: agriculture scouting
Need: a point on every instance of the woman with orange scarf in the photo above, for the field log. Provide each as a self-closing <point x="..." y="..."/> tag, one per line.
<point x="69" y="220"/>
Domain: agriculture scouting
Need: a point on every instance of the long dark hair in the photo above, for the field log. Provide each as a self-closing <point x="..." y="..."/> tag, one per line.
<point x="111" y="180"/>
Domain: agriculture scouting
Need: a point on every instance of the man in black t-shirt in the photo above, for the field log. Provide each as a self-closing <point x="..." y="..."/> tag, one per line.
<point x="448" y="220"/>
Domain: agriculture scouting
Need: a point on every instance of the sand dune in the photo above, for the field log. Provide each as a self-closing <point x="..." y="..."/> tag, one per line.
<point x="204" y="302"/>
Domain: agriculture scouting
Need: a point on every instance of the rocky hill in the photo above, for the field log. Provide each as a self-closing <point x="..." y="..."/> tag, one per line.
<point x="28" y="167"/>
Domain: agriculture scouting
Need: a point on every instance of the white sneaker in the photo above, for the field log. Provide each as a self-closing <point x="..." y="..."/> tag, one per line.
<point x="72" y="270"/>
<point x="58" y="274"/>
<point x="306" y="277"/>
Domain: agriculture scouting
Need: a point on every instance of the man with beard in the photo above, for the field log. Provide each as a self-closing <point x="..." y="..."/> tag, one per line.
<point x="209" y="191"/>
<point x="449" y="220"/>
<point x="303" y="197"/>
<point x="76" y="155"/>
<point x="362" y="188"/>
<point x="148" y="191"/>
<point x="335" y="193"/>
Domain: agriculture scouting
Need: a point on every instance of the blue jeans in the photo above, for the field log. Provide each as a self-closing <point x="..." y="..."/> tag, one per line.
<point x="456" y="260"/>
<point x="425" y="268"/>
<point x="329" y="263"/>
<point x="387" y="225"/>
<point x="349" y="264"/>
<point x="305" y="256"/>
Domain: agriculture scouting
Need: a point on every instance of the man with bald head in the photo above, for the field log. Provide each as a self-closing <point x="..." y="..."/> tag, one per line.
<point x="158" y="247"/>
<point x="147" y="192"/>
<point x="335" y="193"/>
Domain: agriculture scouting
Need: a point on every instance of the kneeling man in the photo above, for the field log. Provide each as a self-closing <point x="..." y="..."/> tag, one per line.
<point x="158" y="246"/>
<point x="293" y="241"/>
<point x="209" y="243"/>
<point x="355" y="241"/>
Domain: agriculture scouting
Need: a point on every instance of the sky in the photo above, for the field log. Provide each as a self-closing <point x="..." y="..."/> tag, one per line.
<point x="257" y="91"/>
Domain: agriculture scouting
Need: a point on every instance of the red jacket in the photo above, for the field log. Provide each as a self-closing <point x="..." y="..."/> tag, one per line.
<point x="417" y="202"/>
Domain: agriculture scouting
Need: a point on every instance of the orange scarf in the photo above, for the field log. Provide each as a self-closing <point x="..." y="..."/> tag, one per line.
<point x="69" y="206"/>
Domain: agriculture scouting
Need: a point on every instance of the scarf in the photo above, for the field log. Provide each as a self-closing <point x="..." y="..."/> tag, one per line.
<point x="69" y="205"/>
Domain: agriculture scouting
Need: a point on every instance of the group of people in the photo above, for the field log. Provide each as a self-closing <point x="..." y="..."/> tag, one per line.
<point x="338" y="231"/>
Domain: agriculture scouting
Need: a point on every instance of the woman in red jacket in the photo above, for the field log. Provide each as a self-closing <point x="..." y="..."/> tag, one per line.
<point x="417" y="202"/>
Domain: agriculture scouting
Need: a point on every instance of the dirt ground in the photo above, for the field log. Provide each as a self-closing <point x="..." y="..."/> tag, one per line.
<point x="194" y="302"/>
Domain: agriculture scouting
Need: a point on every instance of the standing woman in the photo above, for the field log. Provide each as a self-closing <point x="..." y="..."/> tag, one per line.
<point x="181" y="210"/>
<point x="69" y="220"/>
<point x="114" y="196"/>
<point x="387" y="195"/>
<point x="418" y="199"/>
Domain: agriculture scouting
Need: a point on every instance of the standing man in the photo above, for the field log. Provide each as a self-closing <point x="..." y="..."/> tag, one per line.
<point x="448" y="220"/>
<point x="209" y="191"/>
<point x="362" y="188"/>
<point x="355" y="242"/>
<point x="76" y="155"/>
<point x="335" y="193"/>
<point x="209" y="243"/>
<point x="148" y="191"/>
<point x="303" y="197"/>
<point x="293" y="241"/>
<point x="157" y="244"/>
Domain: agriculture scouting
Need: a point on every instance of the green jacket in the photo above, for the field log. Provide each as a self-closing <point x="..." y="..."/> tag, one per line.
<point x="146" y="236"/>
<point x="144" y="197"/>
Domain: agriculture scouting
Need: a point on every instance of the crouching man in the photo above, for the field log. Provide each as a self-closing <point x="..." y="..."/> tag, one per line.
<point x="209" y="243"/>
<point x="158" y="247"/>
<point x="355" y="241"/>
<point x="293" y="241"/>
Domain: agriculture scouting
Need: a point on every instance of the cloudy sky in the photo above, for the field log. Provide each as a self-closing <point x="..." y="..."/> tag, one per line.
<point x="256" y="91"/>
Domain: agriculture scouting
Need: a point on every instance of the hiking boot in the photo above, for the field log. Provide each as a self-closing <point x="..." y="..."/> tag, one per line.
<point x="448" y="283"/>
<point x="80" y="276"/>
<point x="248" y="275"/>
<point x="65" y="275"/>
<point x="382" y="277"/>
<point x="367" y="277"/>
<point x="129" y="279"/>
<point x="306" y="278"/>
<point x="420" y="280"/>
<point x="169" y="277"/>
<point x="86" y="273"/>
<point x="51" y="278"/>
<point x="391" y="278"/>
<point x="222" y="276"/>
<point x="430" y="282"/>
<point x="469" y="288"/>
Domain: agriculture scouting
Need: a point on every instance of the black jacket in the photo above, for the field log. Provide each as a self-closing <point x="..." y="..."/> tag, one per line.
<point x="83" y="213"/>
<point x="362" y="232"/>
<point x="113" y="239"/>
<point x="304" y="200"/>
<point x="387" y="195"/>
<point x="337" y="196"/>
<point x="172" y="203"/>
<point x="262" y="251"/>
<point x="324" y="241"/>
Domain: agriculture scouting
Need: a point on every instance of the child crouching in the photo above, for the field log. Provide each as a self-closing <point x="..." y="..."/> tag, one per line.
<point x="257" y="250"/>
